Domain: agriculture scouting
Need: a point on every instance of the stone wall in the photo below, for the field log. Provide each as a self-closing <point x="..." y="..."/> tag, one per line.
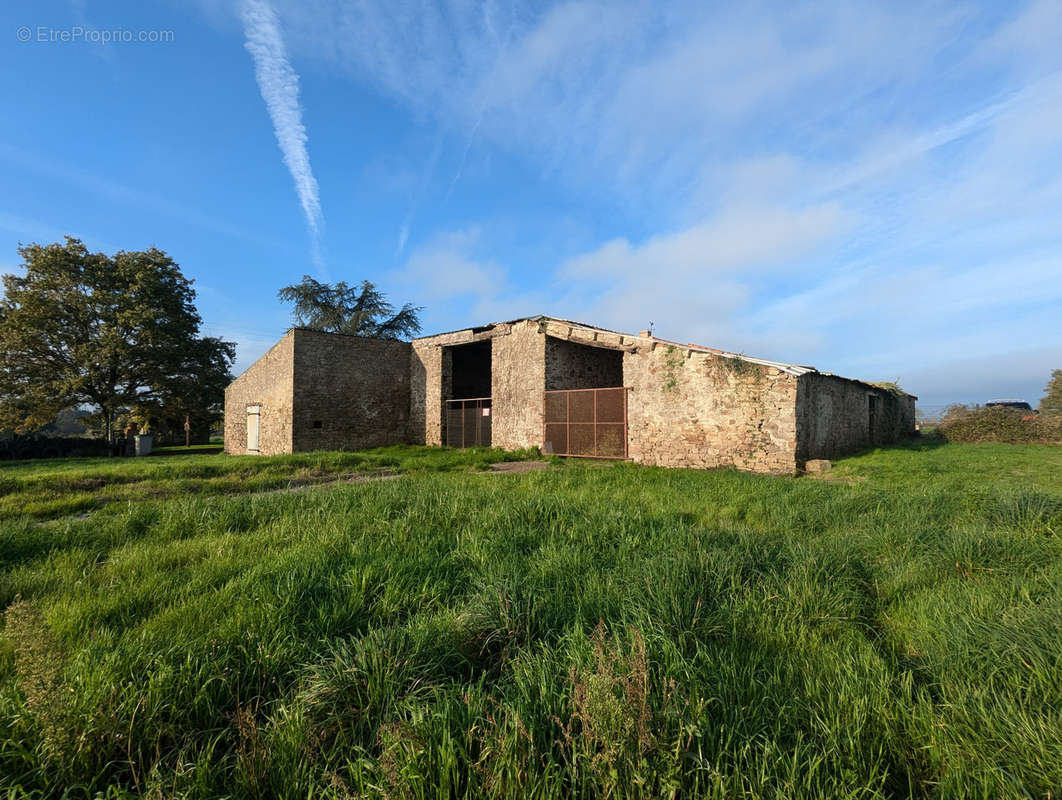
<point x="571" y="365"/>
<point x="518" y="378"/>
<point x="517" y="381"/>
<point x="694" y="409"/>
<point x="835" y="419"/>
<point x="425" y="392"/>
<point x="686" y="407"/>
<point x="350" y="392"/>
<point x="268" y="383"/>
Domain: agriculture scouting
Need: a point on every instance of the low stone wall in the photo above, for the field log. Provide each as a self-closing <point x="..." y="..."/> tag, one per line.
<point x="351" y="392"/>
<point x="693" y="409"/>
<point x="266" y="383"/>
<point x="835" y="416"/>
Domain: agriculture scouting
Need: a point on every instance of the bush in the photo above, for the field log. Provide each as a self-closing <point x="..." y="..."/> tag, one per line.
<point x="1000" y="424"/>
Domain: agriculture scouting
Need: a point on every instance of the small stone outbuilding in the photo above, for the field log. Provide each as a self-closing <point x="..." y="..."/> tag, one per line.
<point x="562" y="386"/>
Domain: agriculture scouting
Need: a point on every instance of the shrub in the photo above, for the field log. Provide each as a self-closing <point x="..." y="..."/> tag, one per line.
<point x="1001" y="425"/>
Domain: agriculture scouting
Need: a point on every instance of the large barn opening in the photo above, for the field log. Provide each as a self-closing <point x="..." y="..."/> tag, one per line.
<point x="467" y="421"/>
<point x="470" y="370"/>
<point x="571" y="365"/>
<point x="585" y="402"/>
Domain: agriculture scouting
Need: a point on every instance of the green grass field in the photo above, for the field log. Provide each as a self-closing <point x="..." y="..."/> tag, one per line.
<point x="183" y="627"/>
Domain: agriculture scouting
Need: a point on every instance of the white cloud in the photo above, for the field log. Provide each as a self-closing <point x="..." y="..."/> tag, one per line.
<point x="871" y="188"/>
<point x="457" y="286"/>
<point x="737" y="239"/>
<point x="636" y="93"/>
<point x="279" y="85"/>
<point x="690" y="283"/>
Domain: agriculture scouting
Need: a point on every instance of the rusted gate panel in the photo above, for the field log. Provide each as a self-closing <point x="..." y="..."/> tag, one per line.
<point x="468" y="422"/>
<point x="589" y="423"/>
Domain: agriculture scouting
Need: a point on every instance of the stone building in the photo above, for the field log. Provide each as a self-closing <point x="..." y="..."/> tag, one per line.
<point x="564" y="387"/>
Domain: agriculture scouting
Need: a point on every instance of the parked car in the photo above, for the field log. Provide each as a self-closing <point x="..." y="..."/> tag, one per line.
<point x="1028" y="412"/>
<point x="1021" y="405"/>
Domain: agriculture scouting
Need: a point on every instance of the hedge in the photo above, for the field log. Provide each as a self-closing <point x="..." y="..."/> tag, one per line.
<point x="1000" y="424"/>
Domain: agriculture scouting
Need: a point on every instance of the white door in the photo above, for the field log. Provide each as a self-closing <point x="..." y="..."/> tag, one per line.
<point x="253" y="415"/>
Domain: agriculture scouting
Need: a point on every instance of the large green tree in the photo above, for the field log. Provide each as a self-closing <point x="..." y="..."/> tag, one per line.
<point x="1051" y="403"/>
<point x="359" y="310"/>
<point x="110" y="332"/>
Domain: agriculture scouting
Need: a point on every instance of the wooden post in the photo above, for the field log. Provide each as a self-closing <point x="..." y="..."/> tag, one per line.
<point x="187" y="432"/>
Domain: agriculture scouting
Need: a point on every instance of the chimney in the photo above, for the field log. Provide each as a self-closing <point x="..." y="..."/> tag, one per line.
<point x="645" y="335"/>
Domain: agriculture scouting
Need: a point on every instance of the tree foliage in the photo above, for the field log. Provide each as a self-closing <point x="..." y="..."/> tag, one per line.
<point x="359" y="310"/>
<point x="1051" y="403"/>
<point x="111" y="332"/>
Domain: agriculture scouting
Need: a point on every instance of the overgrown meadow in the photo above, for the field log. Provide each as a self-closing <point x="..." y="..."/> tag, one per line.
<point x="892" y="629"/>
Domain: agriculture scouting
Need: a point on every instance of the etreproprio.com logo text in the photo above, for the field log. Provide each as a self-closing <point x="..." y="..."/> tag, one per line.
<point x="75" y="34"/>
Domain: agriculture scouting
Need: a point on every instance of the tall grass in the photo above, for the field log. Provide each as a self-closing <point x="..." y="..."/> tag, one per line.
<point x="583" y="631"/>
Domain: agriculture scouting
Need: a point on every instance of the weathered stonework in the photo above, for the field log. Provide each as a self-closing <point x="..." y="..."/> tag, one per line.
<point x="687" y="406"/>
<point x="267" y="383"/>
<point x="835" y="417"/>
<point x="425" y="393"/>
<point x="575" y="365"/>
<point x="518" y="379"/>
<point x="350" y="392"/>
<point x="319" y="391"/>
<point x="695" y="409"/>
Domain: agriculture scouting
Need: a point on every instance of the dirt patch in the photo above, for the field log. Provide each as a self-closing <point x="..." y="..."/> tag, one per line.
<point x="517" y="467"/>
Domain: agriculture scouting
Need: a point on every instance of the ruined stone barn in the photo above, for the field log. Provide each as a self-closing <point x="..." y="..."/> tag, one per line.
<point x="565" y="387"/>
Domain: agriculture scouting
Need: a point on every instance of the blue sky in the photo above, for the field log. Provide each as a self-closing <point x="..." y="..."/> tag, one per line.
<point x="874" y="189"/>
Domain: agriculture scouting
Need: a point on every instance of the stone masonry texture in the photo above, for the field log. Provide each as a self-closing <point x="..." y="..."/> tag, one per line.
<point x="350" y="392"/>
<point x="267" y="383"/>
<point x="518" y="379"/>
<point x="693" y="409"/>
<point x="835" y="417"/>
<point x="572" y="365"/>
<point x="687" y="406"/>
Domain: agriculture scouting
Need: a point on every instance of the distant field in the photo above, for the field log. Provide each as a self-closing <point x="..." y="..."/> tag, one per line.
<point x="184" y="627"/>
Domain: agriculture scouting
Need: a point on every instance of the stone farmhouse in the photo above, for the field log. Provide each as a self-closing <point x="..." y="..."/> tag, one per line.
<point x="562" y="386"/>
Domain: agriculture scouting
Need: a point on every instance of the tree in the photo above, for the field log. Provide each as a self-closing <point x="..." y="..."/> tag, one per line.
<point x="357" y="310"/>
<point x="1051" y="403"/>
<point x="110" y="332"/>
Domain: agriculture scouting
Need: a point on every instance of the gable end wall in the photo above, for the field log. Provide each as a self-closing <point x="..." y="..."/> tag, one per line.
<point x="268" y="383"/>
<point x="356" y="388"/>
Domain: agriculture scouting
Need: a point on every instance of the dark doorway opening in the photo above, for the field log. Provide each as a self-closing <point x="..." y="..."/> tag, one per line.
<point x="467" y="417"/>
<point x="470" y="370"/>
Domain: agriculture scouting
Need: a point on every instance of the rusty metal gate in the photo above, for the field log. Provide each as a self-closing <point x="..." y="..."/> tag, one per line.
<point x="589" y="423"/>
<point x="468" y="422"/>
